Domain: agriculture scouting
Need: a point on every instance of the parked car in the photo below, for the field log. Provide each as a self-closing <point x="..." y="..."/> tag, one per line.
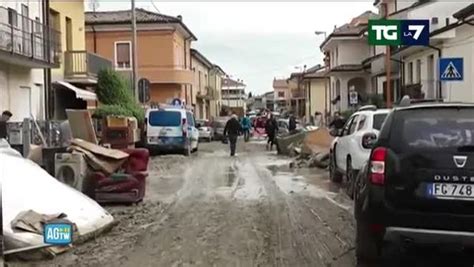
<point x="418" y="185"/>
<point x="206" y="132"/>
<point x="351" y="148"/>
<point x="218" y="125"/>
<point x="171" y="128"/>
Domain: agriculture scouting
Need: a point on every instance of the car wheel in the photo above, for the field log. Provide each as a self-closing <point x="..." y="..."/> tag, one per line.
<point x="333" y="174"/>
<point x="187" y="150"/>
<point x="351" y="174"/>
<point x="368" y="245"/>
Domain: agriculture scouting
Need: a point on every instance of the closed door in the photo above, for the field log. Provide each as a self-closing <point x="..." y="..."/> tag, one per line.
<point x="21" y="103"/>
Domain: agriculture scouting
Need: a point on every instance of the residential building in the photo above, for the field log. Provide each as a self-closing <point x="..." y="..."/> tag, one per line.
<point x="297" y="90"/>
<point x="27" y="47"/>
<point x="202" y="93"/>
<point x="233" y="94"/>
<point x="256" y="102"/>
<point x="281" y="94"/>
<point x="78" y="69"/>
<point x="215" y="83"/>
<point x="269" y="100"/>
<point x="163" y="49"/>
<point x="451" y="36"/>
<point x="317" y="92"/>
<point x="347" y="56"/>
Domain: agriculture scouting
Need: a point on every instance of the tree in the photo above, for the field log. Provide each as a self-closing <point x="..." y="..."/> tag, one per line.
<point x="250" y="94"/>
<point x="115" y="96"/>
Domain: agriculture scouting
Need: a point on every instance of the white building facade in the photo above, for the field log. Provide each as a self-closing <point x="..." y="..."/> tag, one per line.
<point x="233" y="94"/>
<point x="347" y="51"/>
<point x="450" y="38"/>
<point x="24" y="52"/>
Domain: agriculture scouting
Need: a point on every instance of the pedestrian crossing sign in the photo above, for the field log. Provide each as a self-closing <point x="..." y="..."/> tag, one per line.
<point x="451" y="69"/>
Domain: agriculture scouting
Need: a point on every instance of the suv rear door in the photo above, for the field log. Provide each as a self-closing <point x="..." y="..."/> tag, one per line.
<point x="421" y="172"/>
<point x="343" y="142"/>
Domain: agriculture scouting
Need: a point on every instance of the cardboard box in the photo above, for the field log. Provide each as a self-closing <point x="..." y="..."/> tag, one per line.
<point x="115" y="121"/>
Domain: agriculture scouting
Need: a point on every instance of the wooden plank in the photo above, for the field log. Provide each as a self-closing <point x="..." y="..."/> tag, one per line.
<point x="96" y="149"/>
<point x="81" y="125"/>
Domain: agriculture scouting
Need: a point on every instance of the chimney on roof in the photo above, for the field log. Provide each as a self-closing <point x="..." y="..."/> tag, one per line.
<point x="180" y="17"/>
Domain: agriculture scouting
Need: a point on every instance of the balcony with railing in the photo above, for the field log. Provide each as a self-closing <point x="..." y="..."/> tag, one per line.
<point x="27" y="42"/>
<point x="83" y="67"/>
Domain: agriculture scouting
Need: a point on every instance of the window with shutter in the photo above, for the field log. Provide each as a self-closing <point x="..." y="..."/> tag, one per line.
<point x="123" y="55"/>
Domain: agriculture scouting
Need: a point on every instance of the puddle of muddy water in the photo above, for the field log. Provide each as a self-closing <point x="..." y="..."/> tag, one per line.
<point x="311" y="182"/>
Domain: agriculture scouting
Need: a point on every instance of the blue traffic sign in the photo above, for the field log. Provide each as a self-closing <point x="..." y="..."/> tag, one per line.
<point x="451" y="69"/>
<point x="176" y="102"/>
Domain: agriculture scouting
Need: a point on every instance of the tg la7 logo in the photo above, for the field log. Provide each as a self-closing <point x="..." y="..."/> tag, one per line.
<point x="399" y="32"/>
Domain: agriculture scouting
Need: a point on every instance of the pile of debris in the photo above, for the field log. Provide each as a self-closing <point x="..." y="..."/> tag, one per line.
<point x="310" y="146"/>
<point x="31" y="197"/>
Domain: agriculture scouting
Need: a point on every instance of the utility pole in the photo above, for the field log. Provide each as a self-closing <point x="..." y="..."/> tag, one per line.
<point x="134" y="51"/>
<point x="388" y="63"/>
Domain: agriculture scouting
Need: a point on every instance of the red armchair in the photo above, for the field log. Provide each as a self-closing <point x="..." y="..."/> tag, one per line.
<point x="128" y="184"/>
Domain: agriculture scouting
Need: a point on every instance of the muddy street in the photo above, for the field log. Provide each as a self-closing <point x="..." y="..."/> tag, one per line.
<point x="211" y="209"/>
<point x="249" y="210"/>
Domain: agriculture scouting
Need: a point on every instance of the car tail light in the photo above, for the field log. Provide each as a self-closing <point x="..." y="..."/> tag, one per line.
<point x="185" y="130"/>
<point x="377" y="162"/>
<point x="368" y="140"/>
<point x="376" y="228"/>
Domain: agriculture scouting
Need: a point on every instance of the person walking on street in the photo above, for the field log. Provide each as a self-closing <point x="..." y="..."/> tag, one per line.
<point x="271" y="127"/>
<point x="232" y="130"/>
<point x="246" y="126"/>
<point x="338" y="122"/>
<point x="292" y="123"/>
<point x="6" y="115"/>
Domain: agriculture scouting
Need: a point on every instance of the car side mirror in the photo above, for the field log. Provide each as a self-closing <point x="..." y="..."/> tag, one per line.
<point x="369" y="140"/>
<point x="335" y="133"/>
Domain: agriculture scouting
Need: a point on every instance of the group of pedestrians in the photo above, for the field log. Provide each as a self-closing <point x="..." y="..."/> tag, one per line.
<point x="234" y="128"/>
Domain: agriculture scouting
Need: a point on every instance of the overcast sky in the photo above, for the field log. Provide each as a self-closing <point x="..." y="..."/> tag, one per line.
<point x="256" y="41"/>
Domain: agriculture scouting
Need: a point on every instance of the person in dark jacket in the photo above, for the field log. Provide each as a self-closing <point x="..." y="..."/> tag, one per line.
<point x="338" y="122"/>
<point x="232" y="130"/>
<point x="292" y="123"/>
<point x="271" y="127"/>
<point x="4" y="118"/>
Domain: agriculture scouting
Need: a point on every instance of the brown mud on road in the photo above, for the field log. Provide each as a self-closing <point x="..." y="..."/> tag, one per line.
<point x="213" y="210"/>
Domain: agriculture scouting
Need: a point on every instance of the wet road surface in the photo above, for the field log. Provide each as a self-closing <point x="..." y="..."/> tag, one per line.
<point x="211" y="209"/>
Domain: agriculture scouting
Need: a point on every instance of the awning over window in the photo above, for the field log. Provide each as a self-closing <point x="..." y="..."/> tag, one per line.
<point x="80" y="93"/>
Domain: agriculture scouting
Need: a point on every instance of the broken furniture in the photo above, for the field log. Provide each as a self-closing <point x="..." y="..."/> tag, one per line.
<point x="120" y="132"/>
<point x="127" y="185"/>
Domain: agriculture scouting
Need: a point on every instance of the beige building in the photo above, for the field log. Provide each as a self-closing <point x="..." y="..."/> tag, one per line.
<point x="74" y="81"/>
<point x="216" y="75"/>
<point x="282" y="93"/>
<point x="202" y="93"/>
<point x="317" y="92"/>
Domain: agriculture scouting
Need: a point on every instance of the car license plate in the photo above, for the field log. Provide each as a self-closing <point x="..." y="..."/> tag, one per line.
<point x="449" y="190"/>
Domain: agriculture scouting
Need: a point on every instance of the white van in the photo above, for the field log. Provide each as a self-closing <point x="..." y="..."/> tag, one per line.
<point x="171" y="128"/>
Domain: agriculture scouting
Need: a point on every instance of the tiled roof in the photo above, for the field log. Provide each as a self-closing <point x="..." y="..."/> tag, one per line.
<point x="279" y="83"/>
<point x="125" y="16"/>
<point x="465" y="12"/>
<point x="231" y="83"/>
<point x="320" y="72"/>
<point x="201" y="58"/>
<point x="347" y="67"/>
<point x="121" y="16"/>
<point x="356" y="27"/>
